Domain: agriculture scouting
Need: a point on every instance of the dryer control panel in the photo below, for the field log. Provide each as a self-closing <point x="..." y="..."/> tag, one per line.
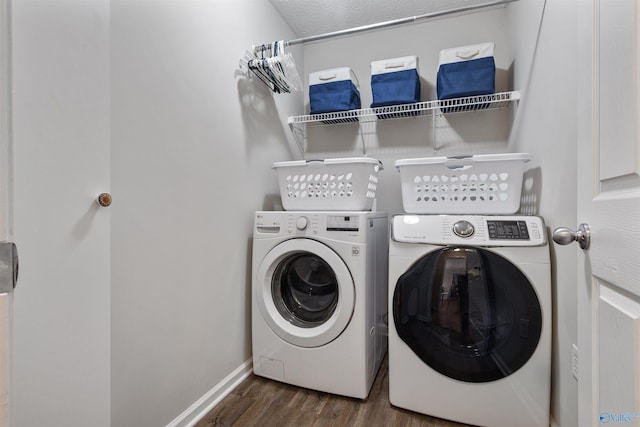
<point x="475" y="230"/>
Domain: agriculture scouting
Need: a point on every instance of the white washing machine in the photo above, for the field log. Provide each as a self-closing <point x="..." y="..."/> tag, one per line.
<point x="470" y="318"/>
<point x="319" y="299"/>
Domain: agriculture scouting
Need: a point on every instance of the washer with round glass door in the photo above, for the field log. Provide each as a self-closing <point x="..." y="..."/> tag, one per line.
<point x="319" y="298"/>
<point x="470" y="318"/>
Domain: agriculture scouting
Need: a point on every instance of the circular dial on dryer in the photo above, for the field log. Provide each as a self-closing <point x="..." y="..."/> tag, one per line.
<point x="463" y="228"/>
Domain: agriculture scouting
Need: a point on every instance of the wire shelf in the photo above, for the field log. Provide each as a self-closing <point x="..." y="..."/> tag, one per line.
<point x="471" y="103"/>
<point x="432" y="109"/>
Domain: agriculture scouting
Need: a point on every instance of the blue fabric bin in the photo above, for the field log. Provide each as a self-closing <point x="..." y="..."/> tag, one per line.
<point x="333" y="90"/>
<point x="395" y="81"/>
<point x="466" y="71"/>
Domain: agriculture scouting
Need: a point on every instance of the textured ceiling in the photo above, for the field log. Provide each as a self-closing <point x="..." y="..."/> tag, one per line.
<point x="313" y="17"/>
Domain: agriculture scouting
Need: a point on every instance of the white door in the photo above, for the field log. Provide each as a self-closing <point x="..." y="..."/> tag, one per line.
<point x="609" y="201"/>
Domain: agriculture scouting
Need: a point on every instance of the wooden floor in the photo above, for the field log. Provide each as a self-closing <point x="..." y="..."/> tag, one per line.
<point x="264" y="403"/>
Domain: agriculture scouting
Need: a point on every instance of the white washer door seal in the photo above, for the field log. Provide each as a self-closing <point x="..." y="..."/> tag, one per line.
<point x="305" y="337"/>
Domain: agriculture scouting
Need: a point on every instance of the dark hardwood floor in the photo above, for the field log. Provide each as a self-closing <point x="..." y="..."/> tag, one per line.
<point x="264" y="403"/>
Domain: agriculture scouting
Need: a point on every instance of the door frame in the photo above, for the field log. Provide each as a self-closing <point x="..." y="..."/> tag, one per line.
<point x="6" y="217"/>
<point x="587" y="408"/>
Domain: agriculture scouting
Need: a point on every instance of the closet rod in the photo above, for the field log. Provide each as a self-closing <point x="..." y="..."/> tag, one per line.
<point x="394" y="22"/>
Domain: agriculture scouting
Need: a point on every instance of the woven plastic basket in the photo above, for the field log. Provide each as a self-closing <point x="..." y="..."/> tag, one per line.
<point x="480" y="184"/>
<point x="342" y="184"/>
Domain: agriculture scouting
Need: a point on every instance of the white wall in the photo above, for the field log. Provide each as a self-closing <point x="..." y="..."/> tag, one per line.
<point x="61" y="365"/>
<point x="192" y="145"/>
<point x="547" y="130"/>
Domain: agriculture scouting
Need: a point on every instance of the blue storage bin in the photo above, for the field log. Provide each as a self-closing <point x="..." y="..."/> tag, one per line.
<point x="395" y="81"/>
<point x="333" y="90"/>
<point x="466" y="71"/>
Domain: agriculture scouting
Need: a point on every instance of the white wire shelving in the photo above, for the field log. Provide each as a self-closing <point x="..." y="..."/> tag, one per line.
<point x="299" y="124"/>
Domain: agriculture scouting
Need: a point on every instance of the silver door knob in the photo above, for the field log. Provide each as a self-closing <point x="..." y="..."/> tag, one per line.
<point x="564" y="235"/>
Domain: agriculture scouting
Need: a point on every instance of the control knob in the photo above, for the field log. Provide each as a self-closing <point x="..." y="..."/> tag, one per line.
<point x="302" y="223"/>
<point x="463" y="229"/>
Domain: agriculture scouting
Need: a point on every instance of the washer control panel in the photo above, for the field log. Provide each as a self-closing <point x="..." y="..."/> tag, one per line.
<point x="305" y="224"/>
<point x="477" y="230"/>
<point x="352" y="226"/>
<point x="343" y="223"/>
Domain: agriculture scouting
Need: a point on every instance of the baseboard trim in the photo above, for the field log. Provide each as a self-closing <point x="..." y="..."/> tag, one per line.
<point x="206" y="403"/>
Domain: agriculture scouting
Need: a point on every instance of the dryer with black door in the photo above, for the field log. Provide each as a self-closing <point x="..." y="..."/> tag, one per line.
<point x="470" y="335"/>
<point x="319" y="299"/>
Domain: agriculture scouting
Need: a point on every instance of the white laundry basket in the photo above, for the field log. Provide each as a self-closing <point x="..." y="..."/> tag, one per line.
<point x="480" y="184"/>
<point x="341" y="184"/>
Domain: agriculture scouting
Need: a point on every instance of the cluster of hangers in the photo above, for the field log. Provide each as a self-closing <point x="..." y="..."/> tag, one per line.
<point x="274" y="67"/>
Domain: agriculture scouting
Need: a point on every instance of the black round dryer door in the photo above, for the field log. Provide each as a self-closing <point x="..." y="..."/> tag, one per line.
<point x="468" y="313"/>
